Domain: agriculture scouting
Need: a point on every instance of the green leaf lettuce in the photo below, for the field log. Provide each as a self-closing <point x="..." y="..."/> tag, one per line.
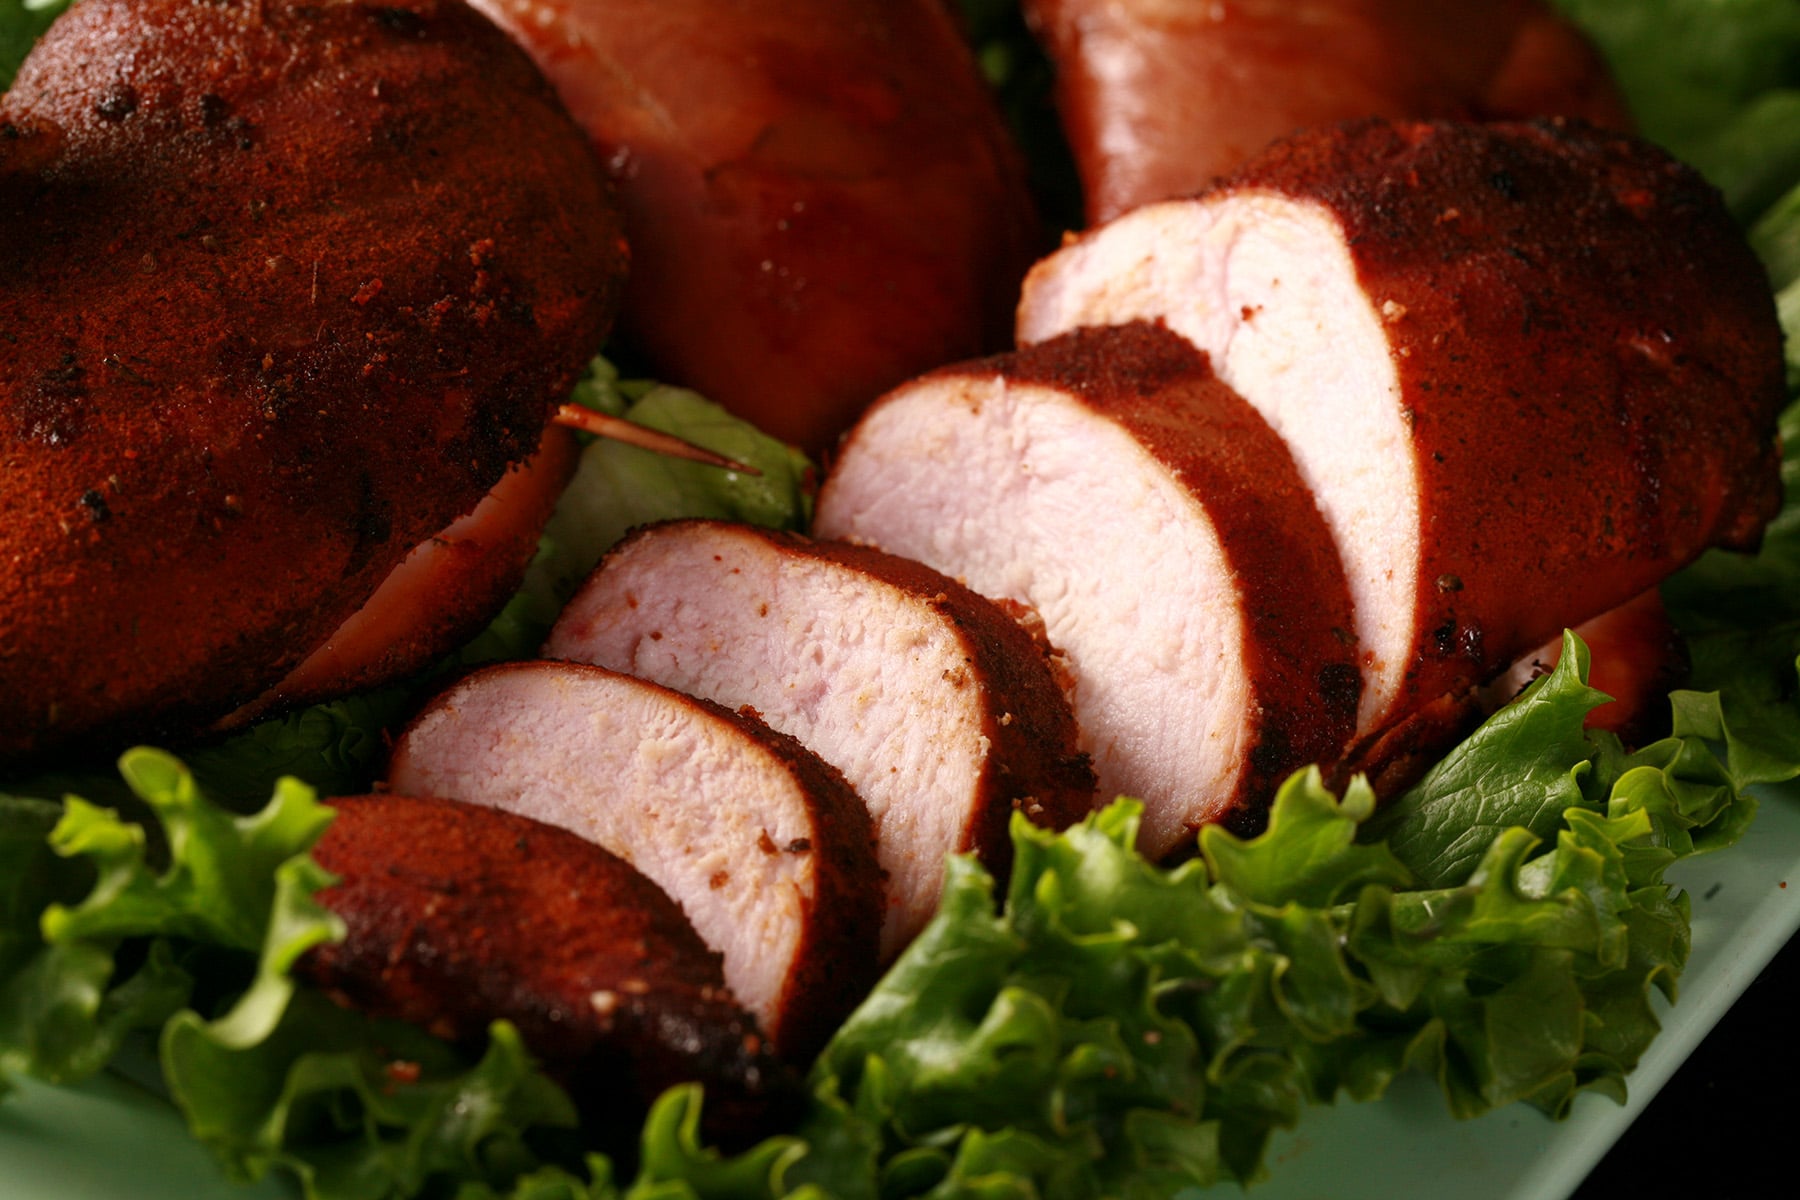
<point x="1120" y="1029"/>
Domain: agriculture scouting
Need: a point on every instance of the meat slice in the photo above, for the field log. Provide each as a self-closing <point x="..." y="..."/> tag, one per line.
<point x="457" y="916"/>
<point x="1159" y="99"/>
<point x="821" y="196"/>
<point x="1108" y="479"/>
<point x="941" y="710"/>
<point x="1527" y="370"/>
<point x="766" y="848"/>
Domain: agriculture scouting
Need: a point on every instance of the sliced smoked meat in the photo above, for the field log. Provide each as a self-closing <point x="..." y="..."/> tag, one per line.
<point x="1108" y="479"/>
<point x="1527" y="370"/>
<point x="765" y="847"/>
<point x="458" y="916"/>
<point x="941" y="710"/>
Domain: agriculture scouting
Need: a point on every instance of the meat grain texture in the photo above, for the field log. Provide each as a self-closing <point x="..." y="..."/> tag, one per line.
<point x="458" y="915"/>
<point x="1159" y="98"/>
<point x="940" y="709"/>
<point x="821" y="196"/>
<point x="1528" y="370"/>
<point x="1109" y="480"/>
<point x="286" y="288"/>
<point x="766" y="848"/>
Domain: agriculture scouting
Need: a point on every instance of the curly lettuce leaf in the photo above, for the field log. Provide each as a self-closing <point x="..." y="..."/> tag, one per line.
<point x="222" y="878"/>
<point x="1741" y="617"/>
<point x="91" y="966"/>
<point x="56" y="1022"/>
<point x="99" y="945"/>
<point x="1523" y="768"/>
<point x="102" y="947"/>
<point x="355" y="1109"/>
<point x="37" y="876"/>
<point x="1123" y="1029"/>
<point x="1776" y="240"/>
<point x="673" y="1165"/>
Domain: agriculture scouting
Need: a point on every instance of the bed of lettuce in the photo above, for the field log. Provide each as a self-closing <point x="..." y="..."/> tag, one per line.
<point x="1104" y="1028"/>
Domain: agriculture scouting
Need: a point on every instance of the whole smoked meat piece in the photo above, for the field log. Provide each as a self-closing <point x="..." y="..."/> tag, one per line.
<point x="1527" y="370"/>
<point x="821" y="196"/>
<point x="1159" y="98"/>
<point x="286" y="289"/>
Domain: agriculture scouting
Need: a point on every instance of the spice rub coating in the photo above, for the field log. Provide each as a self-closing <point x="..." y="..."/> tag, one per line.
<point x="459" y="915"/>
<point x="285" y="289"/>
<point x="1527" y="369"/>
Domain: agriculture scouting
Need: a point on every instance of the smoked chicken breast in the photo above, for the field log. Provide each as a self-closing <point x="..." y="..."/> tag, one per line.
<point x="821" y="197"/>
<point x="767" y="850"/>
<point x="1527" y="370"/>
<point x="286" y="288"/>
<point x="1109" y="480"/>
<point x="940" y="709"/>
<point x="458" y="915"/>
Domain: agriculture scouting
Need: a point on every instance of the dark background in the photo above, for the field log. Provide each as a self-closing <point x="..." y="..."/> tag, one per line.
<point x="1727" y="1124"/>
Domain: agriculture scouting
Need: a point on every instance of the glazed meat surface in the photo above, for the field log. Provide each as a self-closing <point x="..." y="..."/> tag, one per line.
<point x="459" y="915"/>
<point x="1108" y="479"/>
<point x="1527" y="370"/>
<point x="940" y="710"/>
<point x="767" y="850"/>
<point x="1159" y="98"/>
<point x="821" y="197"/>
<point x="286" y="288"/>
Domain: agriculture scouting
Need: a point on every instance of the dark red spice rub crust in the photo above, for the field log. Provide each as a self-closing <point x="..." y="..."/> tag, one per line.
<point x="1599" y="293"/>
<point x="459" y="915"/>
<point x="284" y="289"/>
